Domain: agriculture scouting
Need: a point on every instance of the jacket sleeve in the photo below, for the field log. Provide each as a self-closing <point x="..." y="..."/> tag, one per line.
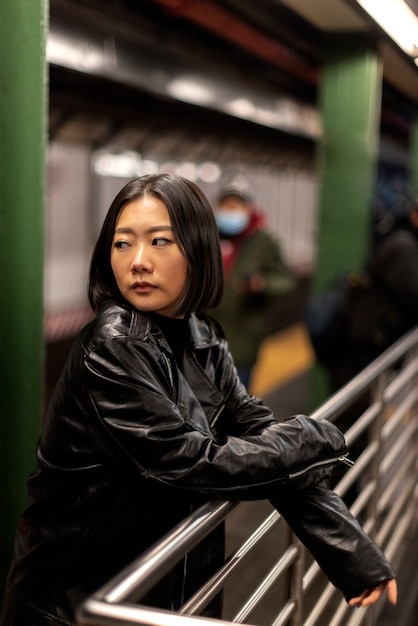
<point x="136" y="421"/>
<point x="346" y="554"/>
<point x="263" y="256"/>
<point x="243" y="414"/>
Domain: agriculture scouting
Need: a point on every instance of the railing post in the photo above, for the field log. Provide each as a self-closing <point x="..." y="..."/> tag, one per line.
<point x="376" y="429"/>
<point x="376" y="436"/>
<point x="296" y="583"/>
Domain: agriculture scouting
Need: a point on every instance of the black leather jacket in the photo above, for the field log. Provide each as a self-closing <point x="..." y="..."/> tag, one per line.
<point x="130" y="443"/>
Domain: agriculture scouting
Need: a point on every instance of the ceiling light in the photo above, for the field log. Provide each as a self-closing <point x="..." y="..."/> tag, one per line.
<point x="397" y="20"/>
<point x="190" y="89"/>
<point x="123" y="165"/>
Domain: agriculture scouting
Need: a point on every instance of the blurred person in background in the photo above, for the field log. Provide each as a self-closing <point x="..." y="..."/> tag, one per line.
<point x="383" y="305"/>
<point x="256" y="274"/>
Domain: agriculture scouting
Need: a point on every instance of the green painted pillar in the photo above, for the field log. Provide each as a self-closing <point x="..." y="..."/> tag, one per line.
<point x="23" y="27"/>
<point x="350" y="105"/>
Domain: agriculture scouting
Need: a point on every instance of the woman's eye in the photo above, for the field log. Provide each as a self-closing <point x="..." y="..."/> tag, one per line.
<point x="160" y="241"/>
<point x="121" y="244"/>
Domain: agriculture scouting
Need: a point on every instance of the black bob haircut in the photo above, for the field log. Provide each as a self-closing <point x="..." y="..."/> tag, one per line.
<point x="194" y="229"/>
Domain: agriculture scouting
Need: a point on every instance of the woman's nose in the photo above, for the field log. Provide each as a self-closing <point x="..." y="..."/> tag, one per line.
<point x="141" y="261"/>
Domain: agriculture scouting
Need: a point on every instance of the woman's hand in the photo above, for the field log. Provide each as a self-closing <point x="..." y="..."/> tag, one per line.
<point x="370" y="596"/>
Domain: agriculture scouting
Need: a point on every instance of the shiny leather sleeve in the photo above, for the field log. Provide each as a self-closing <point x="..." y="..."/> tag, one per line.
<point x="161" y="431"/>
<point x="347" y="555"/>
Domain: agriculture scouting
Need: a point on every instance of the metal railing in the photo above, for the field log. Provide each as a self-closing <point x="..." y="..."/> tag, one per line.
<point x="386" y="472"/>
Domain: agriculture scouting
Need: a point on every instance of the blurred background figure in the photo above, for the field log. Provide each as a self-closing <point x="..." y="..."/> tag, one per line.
<point x="384" y="304"/>
<point x="255" y="273"/>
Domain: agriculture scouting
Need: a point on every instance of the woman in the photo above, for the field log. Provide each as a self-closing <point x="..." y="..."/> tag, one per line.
<point x="150" y="419"/>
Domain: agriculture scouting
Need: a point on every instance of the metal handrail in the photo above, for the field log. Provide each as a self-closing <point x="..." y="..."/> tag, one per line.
<point x="388" y="470"/>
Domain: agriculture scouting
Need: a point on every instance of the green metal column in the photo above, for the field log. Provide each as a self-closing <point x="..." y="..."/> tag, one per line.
<point x="350" y="104"/>
<point x="23" y="89"/>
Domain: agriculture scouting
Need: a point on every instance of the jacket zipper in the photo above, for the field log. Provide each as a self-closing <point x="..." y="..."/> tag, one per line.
<point x="341" y="459"/>
<point x="216" y="416"/>
<point x="168" y="364"/>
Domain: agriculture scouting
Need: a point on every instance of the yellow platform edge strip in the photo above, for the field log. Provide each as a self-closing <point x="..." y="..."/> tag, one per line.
<point x="283" y="356"/>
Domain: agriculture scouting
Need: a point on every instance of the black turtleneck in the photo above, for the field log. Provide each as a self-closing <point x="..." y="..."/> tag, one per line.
<point x="176" y="332"/>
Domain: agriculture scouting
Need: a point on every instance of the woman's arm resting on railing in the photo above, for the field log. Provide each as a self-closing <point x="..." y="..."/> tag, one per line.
<point x="344" y="551"/>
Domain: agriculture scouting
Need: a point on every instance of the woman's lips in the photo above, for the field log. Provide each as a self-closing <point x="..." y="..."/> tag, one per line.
<point x="142" y="287"/>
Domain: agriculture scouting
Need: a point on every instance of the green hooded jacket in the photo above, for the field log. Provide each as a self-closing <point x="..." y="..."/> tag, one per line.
<point x="244" y="314"/>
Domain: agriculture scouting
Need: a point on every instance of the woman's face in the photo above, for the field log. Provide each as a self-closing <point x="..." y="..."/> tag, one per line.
<point x="148" y="265"/>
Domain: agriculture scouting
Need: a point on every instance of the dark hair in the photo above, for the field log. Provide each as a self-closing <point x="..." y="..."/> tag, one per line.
<point x="194" y="228"/>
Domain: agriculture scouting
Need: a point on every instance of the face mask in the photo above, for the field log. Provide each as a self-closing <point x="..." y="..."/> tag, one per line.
<point x="232" y="222"/>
